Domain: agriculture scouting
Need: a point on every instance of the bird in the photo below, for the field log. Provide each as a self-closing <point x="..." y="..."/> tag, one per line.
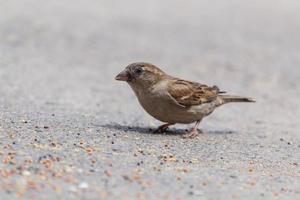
<point x="173" y="100"/>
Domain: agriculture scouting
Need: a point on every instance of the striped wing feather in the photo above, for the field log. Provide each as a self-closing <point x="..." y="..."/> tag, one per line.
<point x="187" y="93"/>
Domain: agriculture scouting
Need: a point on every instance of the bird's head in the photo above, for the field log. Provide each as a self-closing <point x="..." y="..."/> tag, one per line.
<point x="140" y="74"/>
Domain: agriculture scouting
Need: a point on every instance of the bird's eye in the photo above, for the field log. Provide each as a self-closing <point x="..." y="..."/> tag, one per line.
<point x="138" y="71"/>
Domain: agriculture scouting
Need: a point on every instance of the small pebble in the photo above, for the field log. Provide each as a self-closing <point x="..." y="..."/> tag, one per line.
<point x="26" y="173"/>
<point x="83" y="185"/>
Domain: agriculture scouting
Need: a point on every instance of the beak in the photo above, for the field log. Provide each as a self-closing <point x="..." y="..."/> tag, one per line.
<point x="123" y="76"/>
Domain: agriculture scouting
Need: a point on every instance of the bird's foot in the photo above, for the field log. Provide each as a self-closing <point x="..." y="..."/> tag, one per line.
<point x="192" y="134"/>
<point x="162" y="128"/>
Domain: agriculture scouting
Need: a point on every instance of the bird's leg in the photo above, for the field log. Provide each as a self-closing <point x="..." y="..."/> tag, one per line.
<point x="194" y="132"/>
<point x="163" y="128"/>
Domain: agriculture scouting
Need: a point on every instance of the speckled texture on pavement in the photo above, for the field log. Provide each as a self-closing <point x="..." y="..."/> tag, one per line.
<point x="68" y="130"/>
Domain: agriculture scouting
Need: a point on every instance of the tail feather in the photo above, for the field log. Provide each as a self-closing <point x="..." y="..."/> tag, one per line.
<point x="233" y="98"/>
<point x="218" y="90"/>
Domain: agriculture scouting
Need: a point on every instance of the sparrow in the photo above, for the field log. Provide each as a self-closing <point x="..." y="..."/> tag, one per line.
<point x="173" y="100"/>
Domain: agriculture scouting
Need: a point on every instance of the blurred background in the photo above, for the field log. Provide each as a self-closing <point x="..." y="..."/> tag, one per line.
<point x="61" y="56"/>
<point x="244" y="46"/>
<point x="68" y="52"/>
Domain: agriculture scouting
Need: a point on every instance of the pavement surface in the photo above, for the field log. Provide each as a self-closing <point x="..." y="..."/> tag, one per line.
<point x="68" y="130"/>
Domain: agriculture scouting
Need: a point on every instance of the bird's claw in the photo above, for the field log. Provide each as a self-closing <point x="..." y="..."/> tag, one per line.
<point x="162" y="128"/>
<point x="192" y="134"/>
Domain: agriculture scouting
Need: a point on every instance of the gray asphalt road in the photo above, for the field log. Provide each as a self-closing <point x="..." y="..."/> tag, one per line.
<point x="69" y="131"/>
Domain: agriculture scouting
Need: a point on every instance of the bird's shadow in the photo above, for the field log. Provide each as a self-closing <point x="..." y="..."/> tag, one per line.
<point x="171" y="131"/>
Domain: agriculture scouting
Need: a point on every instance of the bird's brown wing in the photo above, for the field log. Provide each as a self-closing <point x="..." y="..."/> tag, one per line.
<point x="187" y="93"/>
